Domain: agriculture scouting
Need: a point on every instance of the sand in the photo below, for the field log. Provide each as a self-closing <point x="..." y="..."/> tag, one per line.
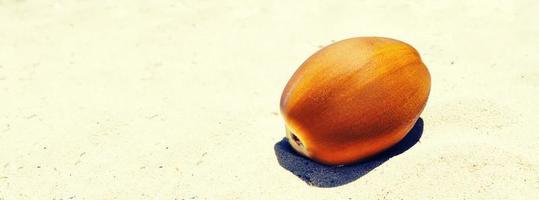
<point x="157" y="99"/>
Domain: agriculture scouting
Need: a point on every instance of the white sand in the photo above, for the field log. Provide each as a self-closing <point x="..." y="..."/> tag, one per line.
<point x="179" y="99"/>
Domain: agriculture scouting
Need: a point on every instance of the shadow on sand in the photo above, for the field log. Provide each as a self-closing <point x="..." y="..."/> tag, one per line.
<point x="321" y="175"/>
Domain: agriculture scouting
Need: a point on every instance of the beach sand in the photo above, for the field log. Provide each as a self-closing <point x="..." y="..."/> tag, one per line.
<point x="158" y="99"/>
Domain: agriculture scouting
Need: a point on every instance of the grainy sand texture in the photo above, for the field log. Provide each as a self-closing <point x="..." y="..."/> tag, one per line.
<point x="167" y="99"/>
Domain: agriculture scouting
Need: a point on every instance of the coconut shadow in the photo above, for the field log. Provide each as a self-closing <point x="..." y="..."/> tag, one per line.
<point x="321" y="175"/>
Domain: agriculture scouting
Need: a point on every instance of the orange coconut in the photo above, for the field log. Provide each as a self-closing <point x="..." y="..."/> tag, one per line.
<point x="354" y="98"/>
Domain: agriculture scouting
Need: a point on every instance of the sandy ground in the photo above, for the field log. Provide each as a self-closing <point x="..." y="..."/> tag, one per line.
<point x="172" y="99"/>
